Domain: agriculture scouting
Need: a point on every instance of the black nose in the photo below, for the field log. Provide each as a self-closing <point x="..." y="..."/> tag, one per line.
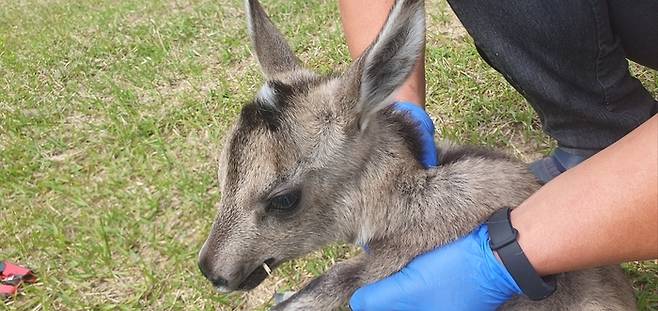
<point x="216" y="281"/>
<point x="219" y="281"/>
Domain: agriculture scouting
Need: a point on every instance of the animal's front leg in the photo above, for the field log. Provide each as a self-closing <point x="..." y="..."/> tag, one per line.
<point x="330" y="290"/>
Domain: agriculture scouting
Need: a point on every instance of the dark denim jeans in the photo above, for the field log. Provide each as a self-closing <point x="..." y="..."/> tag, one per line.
<point x="568" y="59"/>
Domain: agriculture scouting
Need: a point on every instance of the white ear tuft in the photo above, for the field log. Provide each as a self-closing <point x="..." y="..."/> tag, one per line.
<point x="266" y="95"/>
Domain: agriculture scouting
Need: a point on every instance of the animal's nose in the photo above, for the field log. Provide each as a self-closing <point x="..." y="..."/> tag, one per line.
<point x="219" y="281"/>
<point x="216" y="281"/>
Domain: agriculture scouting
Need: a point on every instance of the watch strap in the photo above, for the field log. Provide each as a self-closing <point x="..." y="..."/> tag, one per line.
<point x="503" y="240"/>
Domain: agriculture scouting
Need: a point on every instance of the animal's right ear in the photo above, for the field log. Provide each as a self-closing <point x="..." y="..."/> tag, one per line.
<point x="273" y="52"/>
<point x="389" y="60"/>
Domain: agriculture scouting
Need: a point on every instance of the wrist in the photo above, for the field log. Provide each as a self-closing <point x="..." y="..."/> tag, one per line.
<point x="503" y="239"/>
<point x="534" y="251"/>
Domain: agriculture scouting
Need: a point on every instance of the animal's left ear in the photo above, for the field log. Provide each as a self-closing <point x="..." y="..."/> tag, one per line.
<point x="273" y="52"/>
<point x="389" y="60"/>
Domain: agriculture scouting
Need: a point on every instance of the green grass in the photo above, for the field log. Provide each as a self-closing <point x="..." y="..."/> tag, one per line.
<point x="111" y="117"/>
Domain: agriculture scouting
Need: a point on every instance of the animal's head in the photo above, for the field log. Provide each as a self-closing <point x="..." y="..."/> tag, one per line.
<point x="281" y="166"/>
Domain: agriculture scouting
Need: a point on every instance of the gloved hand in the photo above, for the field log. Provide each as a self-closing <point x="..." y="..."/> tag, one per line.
<point x="426" y="130"/>
<point x="463" y="275"/>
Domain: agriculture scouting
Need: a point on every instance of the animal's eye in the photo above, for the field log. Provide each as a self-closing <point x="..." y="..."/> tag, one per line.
<point x="284" y="202"/>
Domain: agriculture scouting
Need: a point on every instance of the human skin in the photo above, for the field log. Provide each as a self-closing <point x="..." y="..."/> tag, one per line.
<point x="361" y="29"/>
<point x="602" y="211"/>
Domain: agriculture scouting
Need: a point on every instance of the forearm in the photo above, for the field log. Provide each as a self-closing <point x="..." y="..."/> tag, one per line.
<point x="362" y="20"/>
<point x="603" y="211"/>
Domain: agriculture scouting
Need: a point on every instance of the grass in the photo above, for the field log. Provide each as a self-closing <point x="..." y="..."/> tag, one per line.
<point x="111" y="116"/>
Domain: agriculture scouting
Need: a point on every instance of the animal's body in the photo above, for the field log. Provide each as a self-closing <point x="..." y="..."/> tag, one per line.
<point x="315" y="160"/>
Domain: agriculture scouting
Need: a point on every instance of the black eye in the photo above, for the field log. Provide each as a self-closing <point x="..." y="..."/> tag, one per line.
<point x="284" y="202"/>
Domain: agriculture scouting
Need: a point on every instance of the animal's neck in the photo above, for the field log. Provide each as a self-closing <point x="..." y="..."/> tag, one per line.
<point x="394" y="193"/>
<point x="388" y="178"/>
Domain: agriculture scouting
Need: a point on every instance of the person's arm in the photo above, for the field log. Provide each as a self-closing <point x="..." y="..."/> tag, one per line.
<point x="603" y="211"/>
<point x="362" y="20"/>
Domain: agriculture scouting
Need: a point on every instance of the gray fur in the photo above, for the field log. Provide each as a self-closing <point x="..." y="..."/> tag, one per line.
<point x="272" y="50"/>
<point x="390" y="59"/>
<point x="359" y="185"/>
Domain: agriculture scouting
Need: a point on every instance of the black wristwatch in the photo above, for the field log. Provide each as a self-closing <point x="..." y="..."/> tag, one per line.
<point x="503" y="240"/>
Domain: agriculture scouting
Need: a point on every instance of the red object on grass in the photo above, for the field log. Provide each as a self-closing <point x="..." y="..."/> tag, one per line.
<point x="11" y="278"/>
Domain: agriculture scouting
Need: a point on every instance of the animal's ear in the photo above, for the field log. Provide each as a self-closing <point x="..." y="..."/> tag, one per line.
<point x="389" y="60"/>
<point x="272" y="50"/>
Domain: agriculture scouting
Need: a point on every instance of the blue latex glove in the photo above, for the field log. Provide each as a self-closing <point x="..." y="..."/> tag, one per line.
<point x="426" y="130"/>
<point x="463" y="275"/>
